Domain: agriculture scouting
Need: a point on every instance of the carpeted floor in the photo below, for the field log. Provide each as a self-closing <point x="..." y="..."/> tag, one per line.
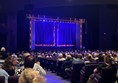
<point x="53" y="78"/>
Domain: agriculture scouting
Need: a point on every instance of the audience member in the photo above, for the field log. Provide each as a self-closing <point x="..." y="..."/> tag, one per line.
<point x="38" y="68"/>
<point x="29" y="75"/>
<point x="107" y="63"/>
<point x="4" y="73"/>
<point x="77" y="59"/>
<point x="10" y="65"/>
<point x="60" y="57"/>
<point x="3" y="53"/>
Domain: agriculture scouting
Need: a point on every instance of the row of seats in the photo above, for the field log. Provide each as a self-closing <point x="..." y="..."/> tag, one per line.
<point x="11" y="79"/>
<point x="80" y="72"/>
<point x="108" y="75"/>
<point x="75" y="77"/>
<point x="55" y="66"/>
<point x="86" y="71"/>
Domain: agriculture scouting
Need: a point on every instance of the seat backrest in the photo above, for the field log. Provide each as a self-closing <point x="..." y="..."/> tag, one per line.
<point x="108" y="74"/>
<point x="77" y="67"/>
<point x="88" y="71"/>
<point x="90" y="67"/>
<point x="2" y="79"/>
<point x="13" y="79"/>
<point x="97" y="78"/>
<point x="76" y="72"/>
<point x="59" y="64"/>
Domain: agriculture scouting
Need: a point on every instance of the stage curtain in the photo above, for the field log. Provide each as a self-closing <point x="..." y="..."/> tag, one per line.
<point x="44" y="33"/>
<point x="66" y="33"/>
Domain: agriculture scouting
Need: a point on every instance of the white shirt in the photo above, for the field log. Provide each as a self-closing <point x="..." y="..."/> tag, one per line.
<point x="38" y="68"/>
<point x="5" y="74"/>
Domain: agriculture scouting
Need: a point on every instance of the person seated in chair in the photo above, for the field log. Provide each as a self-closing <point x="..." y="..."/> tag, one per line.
<point x="107" y="63"/>
<point x="3" y="53"/>
<point x="29" y="75"/>
<point x="77" y="59"/>
<point x="4" y="73"/>
<point x="10" y="65"/>
<point x="38" y="68"/>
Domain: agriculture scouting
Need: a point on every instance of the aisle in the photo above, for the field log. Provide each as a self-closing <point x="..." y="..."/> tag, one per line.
<point x="53" y="78"/>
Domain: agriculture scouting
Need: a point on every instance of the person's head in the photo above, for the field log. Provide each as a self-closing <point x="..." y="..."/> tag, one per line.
<point x="116" y="55"/>
<point x="29" y="61"/>
<point x="30" y="76"/>
<point x="69" y="57"/>
<point x="10" y="62"/>
<point x="60" y="55"/>
<point x="26" y="54"/>
<point x="78" y="56"/>
<point x="89" y="57"/>
<point x="3" y="49"/>
<point x="15" y="62"/>
<point x="108" y="60"/>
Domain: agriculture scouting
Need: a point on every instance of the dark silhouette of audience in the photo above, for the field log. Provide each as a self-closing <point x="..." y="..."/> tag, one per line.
<point x="3" y="53"/>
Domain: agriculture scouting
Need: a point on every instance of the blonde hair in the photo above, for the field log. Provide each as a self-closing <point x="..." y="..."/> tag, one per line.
<point x="30" y="76"/>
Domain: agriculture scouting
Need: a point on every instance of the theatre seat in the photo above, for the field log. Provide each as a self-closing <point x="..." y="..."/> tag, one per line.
<point x="59" y="67"/>
<point x="13" y="79"/>
<point x="53" y="65"/>
<point x="2" y="79"/>
<point x="76" y="72"/>
<point x="86" y="72"/>
<point x="108" y="75"/>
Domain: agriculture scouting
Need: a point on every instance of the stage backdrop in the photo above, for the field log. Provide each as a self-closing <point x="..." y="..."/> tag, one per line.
<point x="47" y="32"/>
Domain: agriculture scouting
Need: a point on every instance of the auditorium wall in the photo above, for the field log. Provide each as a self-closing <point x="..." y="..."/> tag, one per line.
<point x="108" y="27"/>
<point x="99" y="33"/>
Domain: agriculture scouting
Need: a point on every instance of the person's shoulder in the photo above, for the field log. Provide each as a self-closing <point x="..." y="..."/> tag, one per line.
<point x="3" y="71"/>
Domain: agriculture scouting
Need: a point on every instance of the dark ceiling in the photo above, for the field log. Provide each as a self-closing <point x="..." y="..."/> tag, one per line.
<point x="14" y="5"/>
